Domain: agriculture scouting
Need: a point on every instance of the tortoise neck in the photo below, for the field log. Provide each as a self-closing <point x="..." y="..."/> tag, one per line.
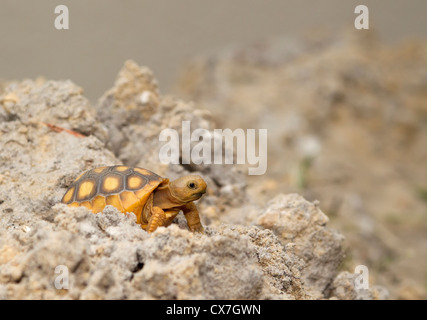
<point x="164" y="198"/>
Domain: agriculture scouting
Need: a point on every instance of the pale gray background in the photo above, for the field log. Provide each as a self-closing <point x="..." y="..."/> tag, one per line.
<point x="164" y="34"/>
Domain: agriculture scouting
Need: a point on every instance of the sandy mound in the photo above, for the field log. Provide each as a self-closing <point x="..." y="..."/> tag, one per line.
<point x="49" y="134"/>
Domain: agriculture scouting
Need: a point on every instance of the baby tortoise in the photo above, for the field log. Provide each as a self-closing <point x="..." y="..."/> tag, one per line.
<point x="154" y="200"/>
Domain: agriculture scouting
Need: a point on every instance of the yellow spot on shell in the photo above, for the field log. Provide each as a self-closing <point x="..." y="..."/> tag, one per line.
<point x="143" y="171"/>
<point x="85" y="189"/>
<point x="99" y="170"/>
<point x="111" y="183"/>
<point x="74" y="204"/>
<point x="121" y="168"/>
<point x="135" y="182"/>
<point x="68" y="196"/>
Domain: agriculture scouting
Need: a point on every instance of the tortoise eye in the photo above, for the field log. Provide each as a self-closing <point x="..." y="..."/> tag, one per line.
<point x="192" y="185"/>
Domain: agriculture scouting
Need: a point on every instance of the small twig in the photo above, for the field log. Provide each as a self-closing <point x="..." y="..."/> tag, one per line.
<point x="60" y="129"/>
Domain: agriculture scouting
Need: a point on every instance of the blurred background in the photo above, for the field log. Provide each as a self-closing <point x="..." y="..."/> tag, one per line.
<point x="164" y="34"/>
<point x="345" y="109"/>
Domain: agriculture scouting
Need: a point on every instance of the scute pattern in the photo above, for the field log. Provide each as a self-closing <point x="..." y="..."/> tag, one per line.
<point x="126" y="188"/>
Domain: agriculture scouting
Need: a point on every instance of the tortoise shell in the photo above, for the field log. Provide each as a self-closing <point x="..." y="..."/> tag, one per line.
<point x="125" y="188"/>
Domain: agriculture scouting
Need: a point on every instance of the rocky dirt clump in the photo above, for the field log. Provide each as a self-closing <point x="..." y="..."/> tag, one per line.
<point x="49" y="134"/>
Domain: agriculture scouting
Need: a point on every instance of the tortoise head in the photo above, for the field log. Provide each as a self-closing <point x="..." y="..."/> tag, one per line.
<point x="188" y="188"/>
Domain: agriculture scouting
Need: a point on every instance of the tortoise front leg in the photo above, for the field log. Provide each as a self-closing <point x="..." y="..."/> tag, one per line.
<point x="193" y="219"/>
<point x="157" y="219"/>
